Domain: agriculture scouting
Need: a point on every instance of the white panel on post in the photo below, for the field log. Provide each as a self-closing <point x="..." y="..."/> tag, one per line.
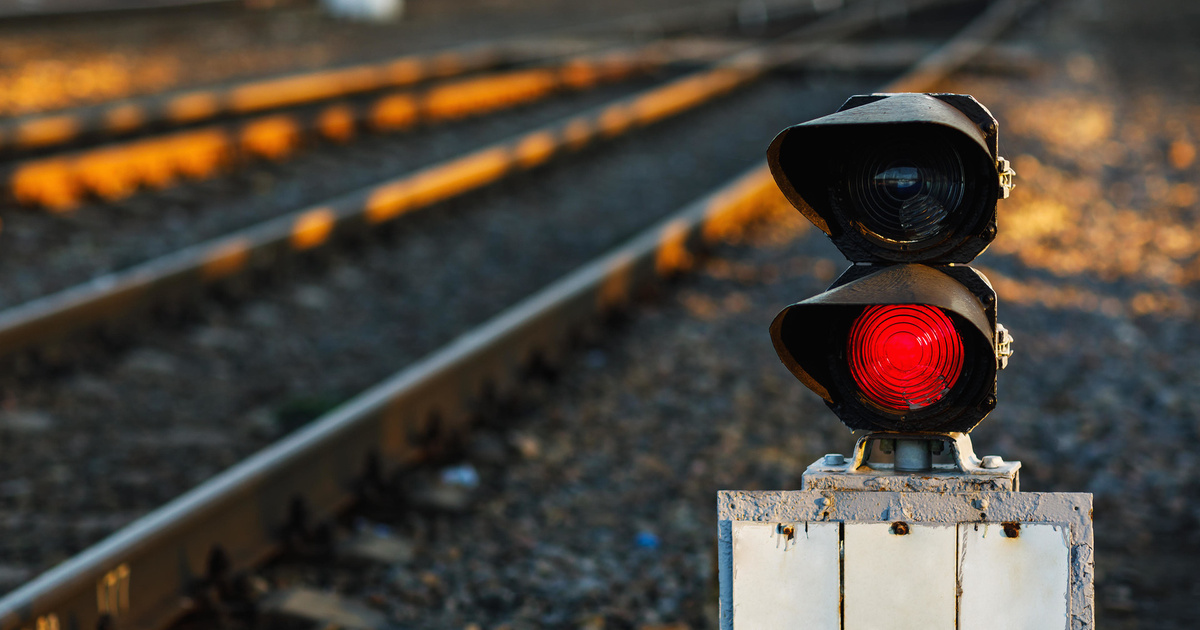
<point x="1014" y="576"/>
<point x="786" y="578"/>
<point x="900" y="576"/>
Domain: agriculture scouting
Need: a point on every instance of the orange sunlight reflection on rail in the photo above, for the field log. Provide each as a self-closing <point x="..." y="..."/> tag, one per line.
<point x="40" y="85"/>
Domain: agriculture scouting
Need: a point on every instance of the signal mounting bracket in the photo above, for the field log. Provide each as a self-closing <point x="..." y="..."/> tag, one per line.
<point x="966" y="473"/>
<point x="1007" y="175"/>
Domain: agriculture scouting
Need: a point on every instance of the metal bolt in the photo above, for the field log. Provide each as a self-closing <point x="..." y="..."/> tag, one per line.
<point x="913" y="456"/>
<point x="992" y="461"/>
<point x="835" y="459"/>
<point x="981" y="504"/>
<point x="1004" y="341"/>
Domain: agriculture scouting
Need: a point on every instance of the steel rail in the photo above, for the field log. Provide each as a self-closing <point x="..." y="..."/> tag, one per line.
<point x="117" y="170"/>
<point x="148" y="566"/>
<point x="189" y="106"/>
<point x="195" y="105"/>
<point x="138" y="577"/>
<point x="53" y="318"/>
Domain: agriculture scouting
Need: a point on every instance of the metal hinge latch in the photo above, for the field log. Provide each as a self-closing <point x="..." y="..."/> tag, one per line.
<point x="1003" y="345"/>
<point x="1006" y="177"/>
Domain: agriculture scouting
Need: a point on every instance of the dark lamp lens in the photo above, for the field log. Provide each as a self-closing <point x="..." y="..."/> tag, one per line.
<point x="908" y="191"/>
<point x="905" y="356"/>
<point x="900" y="182"/>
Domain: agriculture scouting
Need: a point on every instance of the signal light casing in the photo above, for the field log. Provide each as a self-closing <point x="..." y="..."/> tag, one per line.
<point x="905" y="186"/>
<point x="813" y="339"/>
<point x="825" y="168"/>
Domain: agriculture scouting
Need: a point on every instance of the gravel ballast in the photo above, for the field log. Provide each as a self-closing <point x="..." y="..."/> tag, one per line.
<point x="47" y="252"/>
<point x="596" y="505"/>
<point x="99" y="446"/>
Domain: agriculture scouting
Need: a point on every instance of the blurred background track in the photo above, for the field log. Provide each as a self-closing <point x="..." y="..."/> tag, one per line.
<point x="587" y="225"/>
<point x="604" y="474"/>
<point x="70" y="61"/>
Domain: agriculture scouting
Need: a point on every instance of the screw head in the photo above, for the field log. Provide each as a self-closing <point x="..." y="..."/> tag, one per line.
<point x="992" y="461"/>
<point x="834" y="459"/>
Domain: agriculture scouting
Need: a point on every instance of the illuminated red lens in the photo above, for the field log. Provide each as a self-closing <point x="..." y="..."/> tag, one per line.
<point x="905" y="356"/>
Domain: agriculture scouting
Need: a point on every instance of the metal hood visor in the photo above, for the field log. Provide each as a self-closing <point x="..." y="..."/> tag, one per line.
<point x="814" y="165"/>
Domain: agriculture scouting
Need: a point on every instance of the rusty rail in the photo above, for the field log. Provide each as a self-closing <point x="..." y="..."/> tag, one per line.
<point x="54" y="318"/>
<point x="138" y="576"/>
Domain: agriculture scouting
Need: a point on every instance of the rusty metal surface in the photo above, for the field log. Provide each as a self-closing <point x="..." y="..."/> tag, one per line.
<point x="798" y="585"/>
<point x="966" y="474"/>
<point x="140" y="575"/>
<point x="1070" y="511"/>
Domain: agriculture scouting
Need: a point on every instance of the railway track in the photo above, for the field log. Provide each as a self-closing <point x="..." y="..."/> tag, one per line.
<point x="156" y="112"/>
<point x="234" y="520"/>
<point x="105" y="57"/>
<point x="61" y="181"/>
<point x="40" y="323"/>
<point x="181" y="108"/>
<point x="116" y="171"/>
<point x="270" y="118"/>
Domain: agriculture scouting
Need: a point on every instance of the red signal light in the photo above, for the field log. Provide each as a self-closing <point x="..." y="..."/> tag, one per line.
<point x="905" y="356"/>
<point x="905" y="186"/>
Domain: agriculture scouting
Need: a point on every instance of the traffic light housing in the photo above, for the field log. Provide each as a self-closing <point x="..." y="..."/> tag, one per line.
<point x="896" y="178"/>
<point x="905" y="185"/>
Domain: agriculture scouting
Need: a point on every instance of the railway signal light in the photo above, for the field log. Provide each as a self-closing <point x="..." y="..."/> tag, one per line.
<point x="905" y="345"/>
<point x="905" y="185"/>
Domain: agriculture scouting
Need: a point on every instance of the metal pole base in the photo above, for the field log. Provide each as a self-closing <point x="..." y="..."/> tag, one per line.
<point x="979" y="551"/>
<point x="914" y="469"/>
